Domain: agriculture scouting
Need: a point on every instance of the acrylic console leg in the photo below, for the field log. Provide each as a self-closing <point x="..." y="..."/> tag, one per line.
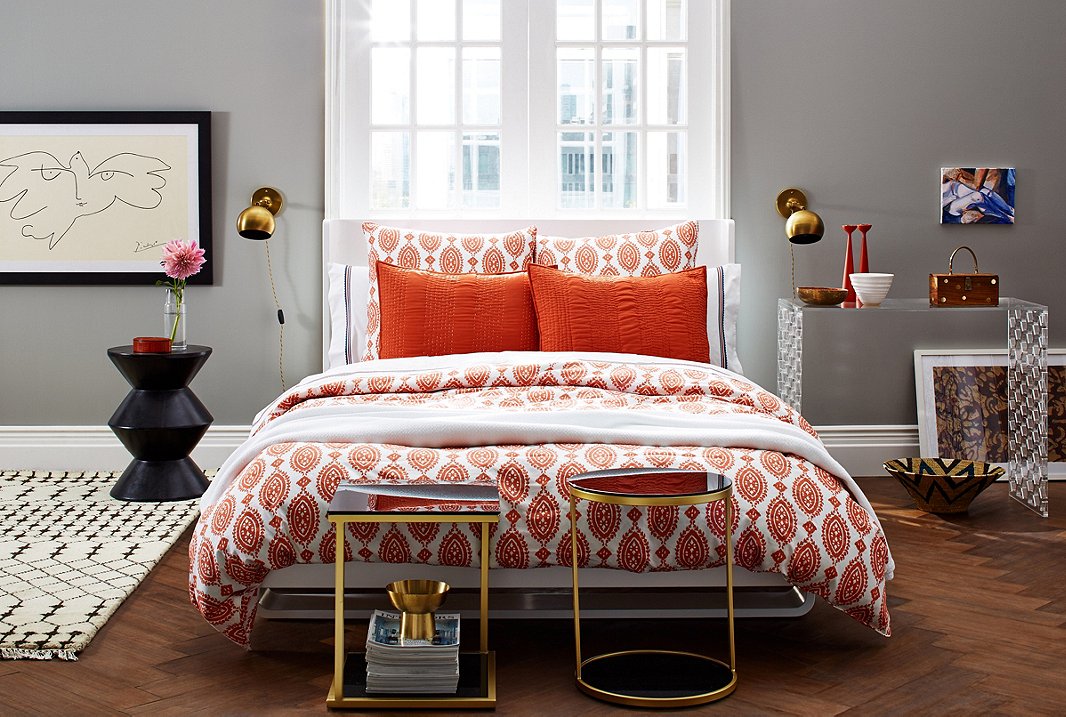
<point x="1027" y="395"/>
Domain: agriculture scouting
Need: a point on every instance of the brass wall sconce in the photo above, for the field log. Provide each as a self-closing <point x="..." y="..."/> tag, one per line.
<point x="257" y="221"/>
<point x="802" y="226"/>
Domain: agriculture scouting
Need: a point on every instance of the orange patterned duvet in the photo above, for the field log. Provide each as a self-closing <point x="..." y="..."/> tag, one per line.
<point x="527" y="423"/>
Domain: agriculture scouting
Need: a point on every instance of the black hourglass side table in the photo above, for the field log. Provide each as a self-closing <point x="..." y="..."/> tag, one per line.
<point x="160" y="421"/>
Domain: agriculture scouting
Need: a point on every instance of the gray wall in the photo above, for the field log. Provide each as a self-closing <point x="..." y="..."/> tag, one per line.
<point x="860" y="103"/>
<point x="857" y="102"/>
<point x="258" y="68"/>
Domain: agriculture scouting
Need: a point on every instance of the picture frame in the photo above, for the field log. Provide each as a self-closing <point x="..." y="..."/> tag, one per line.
<point x="962" y="405"/>
<point x="91" y="197"/>
<point x="977" y="195"/>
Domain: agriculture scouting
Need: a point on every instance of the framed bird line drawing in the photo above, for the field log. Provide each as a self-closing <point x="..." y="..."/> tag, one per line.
<point x="92" y="197"/>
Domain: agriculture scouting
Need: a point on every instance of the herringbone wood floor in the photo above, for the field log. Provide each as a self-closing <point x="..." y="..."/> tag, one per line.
<point x="978" y="609"/>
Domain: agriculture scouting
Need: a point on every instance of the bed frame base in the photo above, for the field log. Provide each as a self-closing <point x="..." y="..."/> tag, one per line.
<point x="555" y="603"/>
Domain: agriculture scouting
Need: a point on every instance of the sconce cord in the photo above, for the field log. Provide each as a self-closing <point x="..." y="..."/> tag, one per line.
<point x="281" y="318"/>
<point x="792" y="251"/>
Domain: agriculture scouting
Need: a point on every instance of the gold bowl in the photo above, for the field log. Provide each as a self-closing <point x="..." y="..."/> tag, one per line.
<point x="417" y="600"/>
<point x="821" y="295"/>
<point x="943" y="485"/>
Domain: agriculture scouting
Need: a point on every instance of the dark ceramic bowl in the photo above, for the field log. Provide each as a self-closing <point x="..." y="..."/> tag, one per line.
<point x="943" y="485"/>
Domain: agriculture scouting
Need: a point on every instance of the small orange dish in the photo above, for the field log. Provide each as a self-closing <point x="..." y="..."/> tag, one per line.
<point x="151" y="345"/>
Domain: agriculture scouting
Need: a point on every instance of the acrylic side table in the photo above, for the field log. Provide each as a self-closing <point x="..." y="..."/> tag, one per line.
<point x="160" y="421"/>
<point x="1027" y="383"/>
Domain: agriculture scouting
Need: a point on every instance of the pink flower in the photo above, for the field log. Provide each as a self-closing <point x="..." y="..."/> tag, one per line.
<point x="181" y="260"/>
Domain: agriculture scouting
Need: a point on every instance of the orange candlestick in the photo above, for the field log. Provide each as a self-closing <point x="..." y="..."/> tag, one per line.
<point x="849" y="265"/>
<point x="864" y="258"/>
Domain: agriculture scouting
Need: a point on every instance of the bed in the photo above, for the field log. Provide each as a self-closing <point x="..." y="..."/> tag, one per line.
<point x="525" y="422"/>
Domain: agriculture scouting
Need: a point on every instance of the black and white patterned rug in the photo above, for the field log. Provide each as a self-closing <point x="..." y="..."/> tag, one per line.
<point x="70" y="554"/>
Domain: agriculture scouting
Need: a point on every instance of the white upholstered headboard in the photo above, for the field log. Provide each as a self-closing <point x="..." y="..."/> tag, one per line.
<point x="342" y="241"/>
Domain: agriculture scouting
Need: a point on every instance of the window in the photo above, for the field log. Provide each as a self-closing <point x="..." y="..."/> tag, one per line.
<point x="620" y="76"/>
<point x="434" y="104"/>
<point x="527" y="108"/>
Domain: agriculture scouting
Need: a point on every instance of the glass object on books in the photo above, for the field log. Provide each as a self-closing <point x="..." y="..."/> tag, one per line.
<point x="390" y="73"/>
<point x="620" y="20"/>
<point x="481" y="20"/>
<point x="667" y="20"/>
<point x="435" y="20"/>
<point x="435" y="79"/>
<point x="575" y="21"/>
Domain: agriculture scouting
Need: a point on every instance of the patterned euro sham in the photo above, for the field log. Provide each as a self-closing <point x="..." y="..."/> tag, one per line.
<point x="440" y="252"/>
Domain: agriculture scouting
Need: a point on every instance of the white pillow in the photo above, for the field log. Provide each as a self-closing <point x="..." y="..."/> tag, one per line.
<point x="349" y="288"/>
<point x="723" y="303"/>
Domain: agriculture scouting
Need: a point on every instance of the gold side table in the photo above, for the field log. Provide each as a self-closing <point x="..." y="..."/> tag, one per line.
<point x="654" y="678"/>
<point x="477" y="670"/>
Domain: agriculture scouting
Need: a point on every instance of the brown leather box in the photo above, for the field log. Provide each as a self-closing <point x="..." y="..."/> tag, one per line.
<point x="953" y="289"/>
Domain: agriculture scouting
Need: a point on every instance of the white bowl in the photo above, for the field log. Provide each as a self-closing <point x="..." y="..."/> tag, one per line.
<point x="871" y="288"/>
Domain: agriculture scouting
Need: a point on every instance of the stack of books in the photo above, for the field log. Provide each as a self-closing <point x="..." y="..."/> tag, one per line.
<point x="394" y="664"/>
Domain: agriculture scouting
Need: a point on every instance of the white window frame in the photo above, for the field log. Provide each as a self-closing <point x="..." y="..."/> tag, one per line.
<point x="531" y="194"/>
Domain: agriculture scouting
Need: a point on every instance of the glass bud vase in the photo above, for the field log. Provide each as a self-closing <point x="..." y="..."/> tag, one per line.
<point x="174" y="318"/>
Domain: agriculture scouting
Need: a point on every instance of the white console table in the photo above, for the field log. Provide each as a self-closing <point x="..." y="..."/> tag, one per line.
<point x="1026" y="325"/>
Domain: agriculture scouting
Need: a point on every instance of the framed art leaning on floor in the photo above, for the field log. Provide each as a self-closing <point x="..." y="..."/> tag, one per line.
<point x="962" y="405"/>
<point x="92" y="197"/>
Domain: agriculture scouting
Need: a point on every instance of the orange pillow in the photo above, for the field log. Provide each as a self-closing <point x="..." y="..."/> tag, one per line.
<point x="662" y="315"/>
<point x="425" y="313"/>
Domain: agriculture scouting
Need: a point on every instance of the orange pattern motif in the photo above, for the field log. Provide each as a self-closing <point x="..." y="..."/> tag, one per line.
<point x="789" y="516"/>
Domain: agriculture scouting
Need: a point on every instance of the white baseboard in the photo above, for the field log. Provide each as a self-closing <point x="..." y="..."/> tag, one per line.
<point x="860" y="449"/>
<point x="96" y="448"/>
